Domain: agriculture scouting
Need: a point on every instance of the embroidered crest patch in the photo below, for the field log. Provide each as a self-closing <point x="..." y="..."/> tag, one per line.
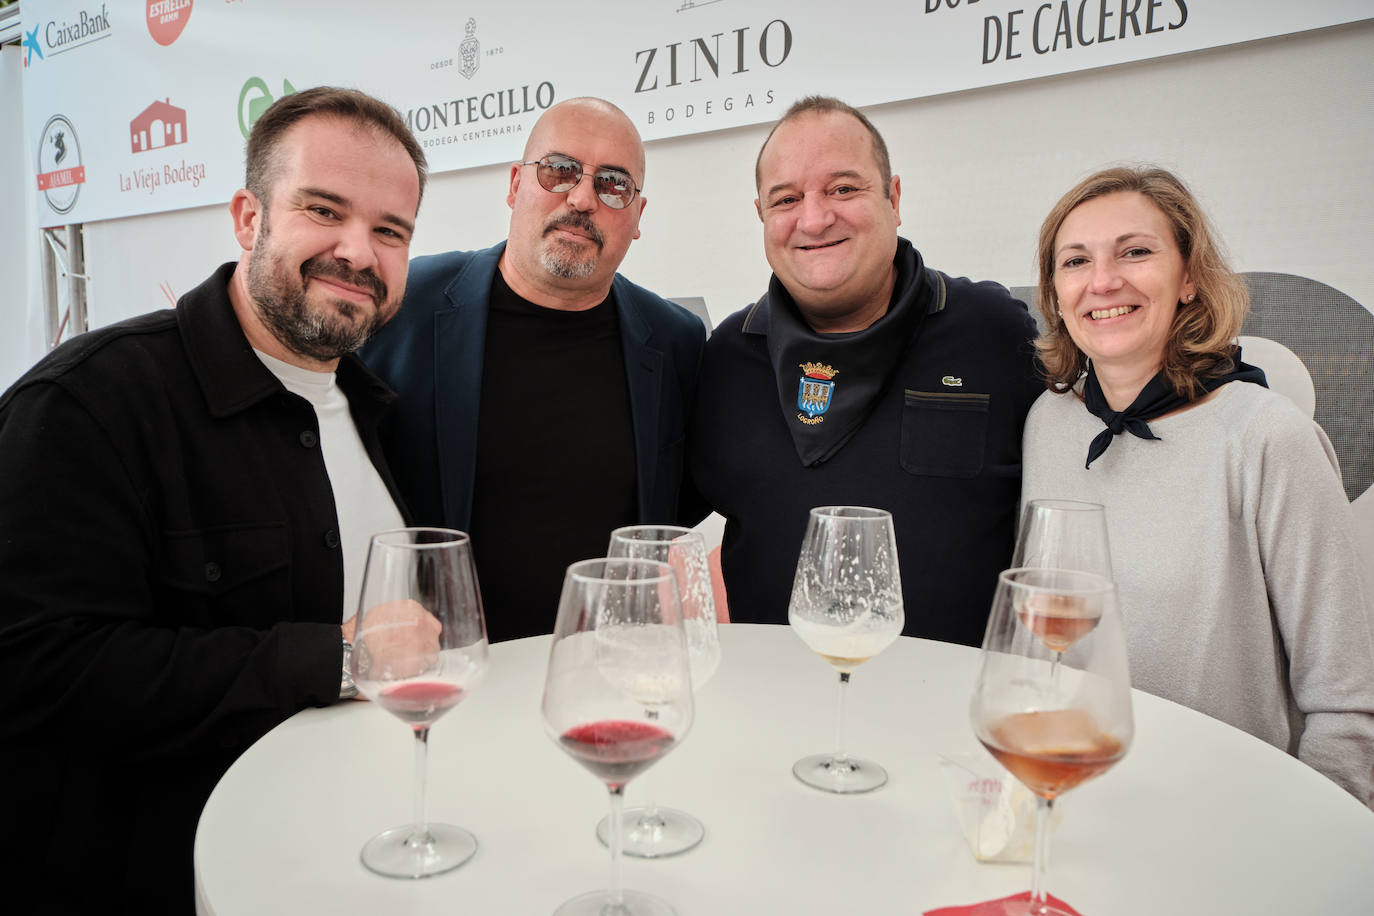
<point x="814" y="391"/>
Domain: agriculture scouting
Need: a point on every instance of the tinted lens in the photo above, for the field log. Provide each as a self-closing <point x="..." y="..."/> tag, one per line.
<point x="615" y="189"/>
<point x="559" y="175"/>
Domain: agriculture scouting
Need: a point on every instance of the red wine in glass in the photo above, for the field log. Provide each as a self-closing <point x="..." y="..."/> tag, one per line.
<point x="618" y="694"/>
<point x="419" y="647"/>
<point x="616" y="750"/>
<point x="419" y="703"/>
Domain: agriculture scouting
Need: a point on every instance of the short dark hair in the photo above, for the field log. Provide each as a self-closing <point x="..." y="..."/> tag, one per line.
<point x="327" y="101"/>
<point x="823" y="104"/>
<point x="1201" y="338"/>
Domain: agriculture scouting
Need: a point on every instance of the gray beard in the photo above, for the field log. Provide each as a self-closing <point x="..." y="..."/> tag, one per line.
<point x="565" y="265"/>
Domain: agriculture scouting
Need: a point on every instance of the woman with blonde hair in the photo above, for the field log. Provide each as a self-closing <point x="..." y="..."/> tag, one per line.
<point x="1233" y="545"/>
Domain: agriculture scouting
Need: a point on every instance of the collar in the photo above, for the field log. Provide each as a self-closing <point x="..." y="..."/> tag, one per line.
<point x="925" y="284"/>
<point x="230" y="375"/>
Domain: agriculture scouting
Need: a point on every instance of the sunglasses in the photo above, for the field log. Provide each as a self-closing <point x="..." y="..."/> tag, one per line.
<point x="560" y="174"/>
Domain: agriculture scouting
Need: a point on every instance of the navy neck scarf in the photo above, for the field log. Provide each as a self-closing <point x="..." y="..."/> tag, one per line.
<point x="828" y="384"/>
<point x="1155" y="399"/>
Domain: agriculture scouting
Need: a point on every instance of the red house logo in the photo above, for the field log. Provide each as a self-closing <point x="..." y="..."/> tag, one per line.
<point x="161" y="124"/>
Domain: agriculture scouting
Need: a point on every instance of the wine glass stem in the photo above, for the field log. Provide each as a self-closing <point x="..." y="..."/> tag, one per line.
<point x="421" y="759"/>
<point x="839" y="718"/>
<point x="1044" y="808"/>
<point x="617" y="843"/>
<point x="650" y="812"/>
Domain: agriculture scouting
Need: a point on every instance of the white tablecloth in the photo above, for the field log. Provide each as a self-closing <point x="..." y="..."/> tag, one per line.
<point x="1199" y="818"/>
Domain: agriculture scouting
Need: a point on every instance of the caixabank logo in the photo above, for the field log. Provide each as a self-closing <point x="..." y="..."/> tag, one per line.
<point x="167" y="19"/>
<point x="57" y="36"/>
<point x="60" y="170"/>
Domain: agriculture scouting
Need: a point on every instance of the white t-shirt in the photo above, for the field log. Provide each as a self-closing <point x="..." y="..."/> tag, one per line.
<point x="361" y="500"/>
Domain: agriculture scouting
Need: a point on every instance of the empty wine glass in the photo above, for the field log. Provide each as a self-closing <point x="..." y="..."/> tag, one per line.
<point x="847" y="607"/>
<point x="652" y="832"/>
<point x="618" y="694"/>
<point x="1062" y="534"/>
<point x="420" y="646"/>
<point x="1053" y="725"/>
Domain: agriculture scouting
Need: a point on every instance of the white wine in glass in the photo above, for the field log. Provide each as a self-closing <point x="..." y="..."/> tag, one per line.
<point x="651" y="831"/>
<point x="419" y="647"/>
<point x="618" y="693"/>
<point x="847" y="607"/>
<point x="1054" y="718"/>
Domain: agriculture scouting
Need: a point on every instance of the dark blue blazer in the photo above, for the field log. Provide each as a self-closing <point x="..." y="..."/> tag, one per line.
<point x="431" y="355"/>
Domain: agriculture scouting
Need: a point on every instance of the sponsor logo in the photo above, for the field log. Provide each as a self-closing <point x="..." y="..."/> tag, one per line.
<point x="696" y="59"/>
<point x="429" y="123"/>
<point x="484" y="115"/>
<point x="951" y="381"/>
<point x="61" y="35"/>
<point x="167" y="19"/>
<point x="152" y="179"/>
<point x="711" y="63"/>
<point x="160" y="124"/>
<point x="814" y="391"/>
<point x="31" y="46"/>
<point x="157" y="127"/>
<point x="469" y="50"/>
<point x="60" y="171"/>
<point x="254" y="99"/>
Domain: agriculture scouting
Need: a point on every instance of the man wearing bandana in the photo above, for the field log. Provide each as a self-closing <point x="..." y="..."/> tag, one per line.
<point x="862" y="377"/>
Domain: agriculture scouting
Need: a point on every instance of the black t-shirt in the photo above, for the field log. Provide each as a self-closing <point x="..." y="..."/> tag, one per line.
<point x="555" y="455"/>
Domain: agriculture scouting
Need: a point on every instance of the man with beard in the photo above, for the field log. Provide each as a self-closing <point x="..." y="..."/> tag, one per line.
<point x="542" y="396"/>
<point x="185" y="503"/>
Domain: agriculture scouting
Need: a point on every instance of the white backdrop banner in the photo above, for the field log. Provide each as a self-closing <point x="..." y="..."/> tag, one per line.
<point x="138" y="106"/>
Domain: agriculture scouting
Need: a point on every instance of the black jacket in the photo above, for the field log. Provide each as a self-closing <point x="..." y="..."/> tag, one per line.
<point x="941" y="450"/>
<point x="170" y="589"/>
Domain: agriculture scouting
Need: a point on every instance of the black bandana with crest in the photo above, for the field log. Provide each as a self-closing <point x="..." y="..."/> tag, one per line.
<point x="828" y="384"/>
<point x="1154" y="400"/>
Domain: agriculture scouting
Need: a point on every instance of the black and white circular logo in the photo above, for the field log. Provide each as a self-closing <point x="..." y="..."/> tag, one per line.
<point x="60" y="172"/>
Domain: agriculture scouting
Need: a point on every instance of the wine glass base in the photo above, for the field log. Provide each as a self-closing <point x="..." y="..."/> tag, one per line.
<point x="1016" y="907"/>
<point x="842" y="775"/>
<point x="654" y="833"/>
<point x="400" y="853"/>
<point x="600" y="903"/>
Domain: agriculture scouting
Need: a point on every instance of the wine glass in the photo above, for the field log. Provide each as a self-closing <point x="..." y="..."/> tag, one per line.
<point x="1062" y="534"/>
<point x="653" y="832"/>
<point x="847" y="607"/>
<point x="1052" y="725"/>
<point x="618" y="694"/>
<point x="420" y="647"/>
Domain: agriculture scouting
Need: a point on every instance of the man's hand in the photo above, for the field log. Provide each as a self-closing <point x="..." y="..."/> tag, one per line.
<point x="398" y="639"/>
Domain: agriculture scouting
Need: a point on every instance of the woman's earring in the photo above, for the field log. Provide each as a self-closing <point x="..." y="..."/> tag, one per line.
<point x="1188" y="298"/>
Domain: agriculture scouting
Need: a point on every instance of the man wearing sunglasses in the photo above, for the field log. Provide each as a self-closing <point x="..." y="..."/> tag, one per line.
<point x="543" y="397"/>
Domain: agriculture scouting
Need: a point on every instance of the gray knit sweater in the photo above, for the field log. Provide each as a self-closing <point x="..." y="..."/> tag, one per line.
<point x="1235" y="555"/>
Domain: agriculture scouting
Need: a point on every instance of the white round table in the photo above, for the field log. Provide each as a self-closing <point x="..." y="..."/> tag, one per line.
<point x="1199" y="818"/>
